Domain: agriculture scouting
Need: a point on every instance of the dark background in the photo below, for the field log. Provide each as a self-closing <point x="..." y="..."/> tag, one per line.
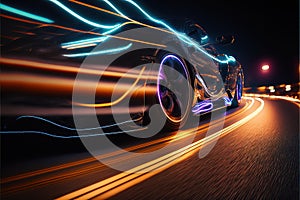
<point x="266" y="32"/>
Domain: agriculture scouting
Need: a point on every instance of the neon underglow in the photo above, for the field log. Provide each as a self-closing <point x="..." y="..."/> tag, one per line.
<point x="103" y="52"/>
<point x="25" y="14"/>
<point x="227" y="101"/>
<point x="82" y="18"/>
<point x="202" y="107"/>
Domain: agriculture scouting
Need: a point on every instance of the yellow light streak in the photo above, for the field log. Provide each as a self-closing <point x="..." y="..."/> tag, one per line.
<point x="120" y="182"/>
<point x="70" y="69"/>
<point x="40" y="172"/>
<point x="117" y="100"/>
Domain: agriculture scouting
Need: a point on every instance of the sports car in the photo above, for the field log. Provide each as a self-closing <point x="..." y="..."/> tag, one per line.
<point x="174" y="63"/>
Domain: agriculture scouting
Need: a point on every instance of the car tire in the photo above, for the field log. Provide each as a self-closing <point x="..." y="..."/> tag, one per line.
<point x="236" y="101"/>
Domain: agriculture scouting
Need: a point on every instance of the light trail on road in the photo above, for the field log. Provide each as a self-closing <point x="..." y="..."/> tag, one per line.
<point x="120" y="182"/>
<point x="96" y="166"/>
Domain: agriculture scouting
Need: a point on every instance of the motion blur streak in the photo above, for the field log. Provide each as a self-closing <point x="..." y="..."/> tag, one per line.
<point x="178" y="136"/>
<point x="117" y="100"/>
<point x="72" y="136"/>
<point x="19" y="19"/>
<point x="52" y="85"/>
<point x="70" y="128"/>
<point x="97" y="8"/>
<point x="24" y="14"/>
<point x="122" y="16"/>
<point x="14" y="110"/>
<point x="120" y="182"/>
<point x="293" y="100"/>
<point x="80" y="46"/>
<point x="89" y="42"/>
<point x="82" y="31"/>
<point x="82" y="18"/>
<point x="70" y="69"/>
<point x="106" y="51"/>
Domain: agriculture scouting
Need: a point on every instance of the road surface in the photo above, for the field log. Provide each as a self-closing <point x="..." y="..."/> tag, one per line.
<point x="255" y="157"/>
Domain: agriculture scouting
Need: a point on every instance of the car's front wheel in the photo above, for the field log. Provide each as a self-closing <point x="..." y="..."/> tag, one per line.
<point x="174" y="92"/>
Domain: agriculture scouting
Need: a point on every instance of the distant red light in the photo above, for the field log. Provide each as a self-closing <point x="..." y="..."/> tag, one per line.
<point x="265" y="67"/>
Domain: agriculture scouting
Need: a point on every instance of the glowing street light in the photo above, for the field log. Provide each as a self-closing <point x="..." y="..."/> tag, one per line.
<point x="288" y="88"/>
<point x="272" y="89"/>
<point x="265" y="67"/>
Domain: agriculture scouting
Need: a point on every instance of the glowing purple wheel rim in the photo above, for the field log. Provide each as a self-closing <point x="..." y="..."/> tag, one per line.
<point x="173" y="89"/>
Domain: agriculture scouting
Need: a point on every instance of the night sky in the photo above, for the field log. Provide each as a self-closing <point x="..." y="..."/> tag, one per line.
<point x="265" y="32"/>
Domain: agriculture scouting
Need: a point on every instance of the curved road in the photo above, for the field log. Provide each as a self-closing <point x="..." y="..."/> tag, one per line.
<point x="256" y="158"/>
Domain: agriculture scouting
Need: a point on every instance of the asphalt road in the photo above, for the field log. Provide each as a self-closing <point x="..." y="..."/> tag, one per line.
<point x="255" y="157"/>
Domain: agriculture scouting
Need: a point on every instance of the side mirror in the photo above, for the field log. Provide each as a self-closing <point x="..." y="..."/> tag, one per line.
<point x="228" y="39"/>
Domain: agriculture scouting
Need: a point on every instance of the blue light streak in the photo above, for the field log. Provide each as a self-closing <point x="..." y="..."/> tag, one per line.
<point x="114" y="8"/>
<point x="73" y="129"/>
<point x="230" y="58"/>
<point x="84" y="42"/>
<point x="183" y="37"/>
<point x="79" y="43"/>
<point x="103" y="52"/>
<point x="25" y="14"/>
<point x="227" y="101"/>
<point x="204" y="38"/>
<point x="70" y="136"/>
<point x="82" y="18"/>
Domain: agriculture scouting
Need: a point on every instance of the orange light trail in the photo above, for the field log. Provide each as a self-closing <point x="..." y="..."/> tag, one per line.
<point x="55" y="85"/>
<point x="25" y="33"/>
<point x="117" y="100"/>
<point x="120" y="182"/>
<point x="95" y="159"/>
<point x="116" y="14"/>
<point x="70" y="69"/>
<point x="81" y="31"/>
<point x="20" y="19"/>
